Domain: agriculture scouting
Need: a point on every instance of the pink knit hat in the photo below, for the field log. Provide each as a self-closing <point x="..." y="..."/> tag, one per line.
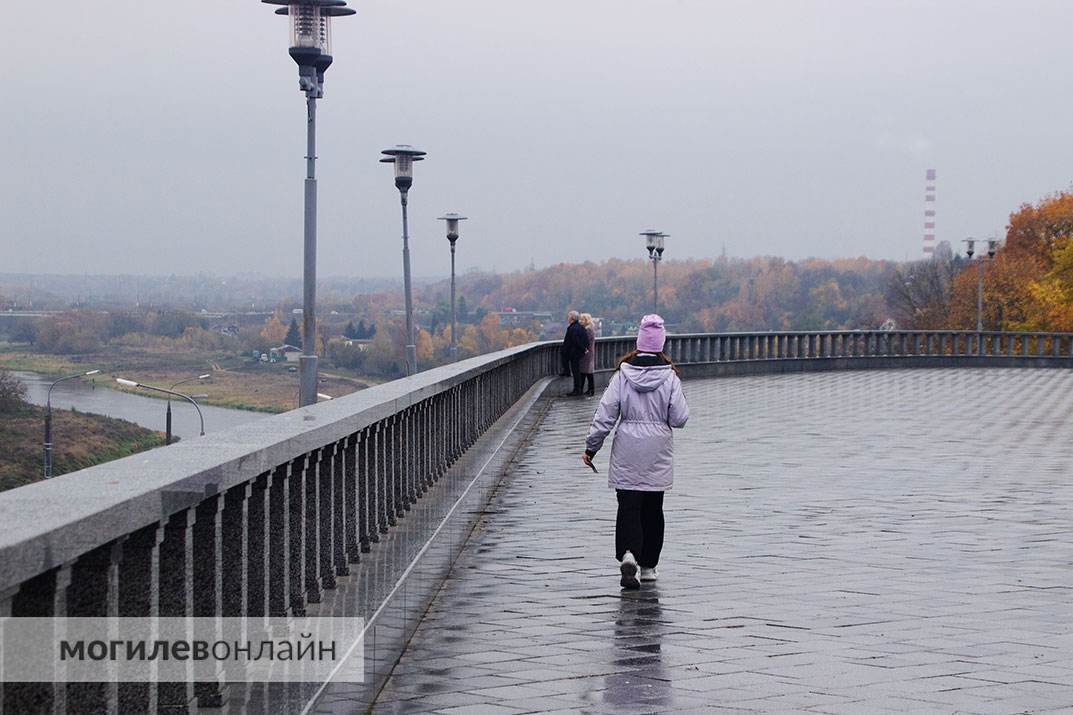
<point x="651" y="335"/>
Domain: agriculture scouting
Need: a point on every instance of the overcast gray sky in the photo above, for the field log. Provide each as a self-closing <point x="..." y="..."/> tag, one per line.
<point x="167" y="137"/>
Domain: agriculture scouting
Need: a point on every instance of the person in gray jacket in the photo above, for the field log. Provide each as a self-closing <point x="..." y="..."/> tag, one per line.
<point x="645" y="399"/>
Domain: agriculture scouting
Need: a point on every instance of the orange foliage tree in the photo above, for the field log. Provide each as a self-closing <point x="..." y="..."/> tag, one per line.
<point x="1029" y="283"/>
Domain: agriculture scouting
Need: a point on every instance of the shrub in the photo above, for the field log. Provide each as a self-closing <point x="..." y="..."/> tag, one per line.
<point x="12" y="391"/>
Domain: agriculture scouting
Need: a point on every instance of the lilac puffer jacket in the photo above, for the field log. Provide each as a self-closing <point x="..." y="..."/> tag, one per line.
<point x="646" y="402"/>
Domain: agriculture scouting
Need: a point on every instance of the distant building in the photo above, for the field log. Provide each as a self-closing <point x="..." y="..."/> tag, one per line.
<point x="511" y="318"/>
<point x="284" y="353"/>
<point x="361" y="343"/>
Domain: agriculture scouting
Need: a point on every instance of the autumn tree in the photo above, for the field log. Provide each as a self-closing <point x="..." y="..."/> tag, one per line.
<point x="1027" y="284"/>
<point x="274" y="331"/>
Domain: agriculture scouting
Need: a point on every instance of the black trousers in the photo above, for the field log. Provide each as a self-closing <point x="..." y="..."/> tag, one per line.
<point x="590" y="383"/>
<point x="575" y="371"/>
<point x="564" y="362"/>
<point x="639" y="526"/>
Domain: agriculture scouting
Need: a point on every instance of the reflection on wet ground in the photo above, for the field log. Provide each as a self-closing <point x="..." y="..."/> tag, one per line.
<point x="835" y="543"/>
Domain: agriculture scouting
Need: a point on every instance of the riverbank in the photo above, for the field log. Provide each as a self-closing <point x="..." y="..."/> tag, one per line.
<point x="90" y="396"/>
<point x="236" y="383"/>
<point x="81" y="440"/>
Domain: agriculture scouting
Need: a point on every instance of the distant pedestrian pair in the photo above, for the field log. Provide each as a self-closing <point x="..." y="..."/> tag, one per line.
<point x="578" y="353"/>
<point x="645" y="400"/>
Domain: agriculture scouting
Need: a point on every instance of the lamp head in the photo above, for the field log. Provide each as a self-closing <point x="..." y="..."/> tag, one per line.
<point x="311" y="37"/>
<point x="452" y="220"/>
<point x="403" y="157"/>
<point x="970" y="247"/>
<point x="93" y="372"/>
<point x="206" y="376"/>
<point x="651" y="236"/>
<point x="992" y="248"/>
<point x="126" y="383"/>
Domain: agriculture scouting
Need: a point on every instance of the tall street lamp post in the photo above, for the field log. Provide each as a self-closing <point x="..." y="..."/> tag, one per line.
<point x="167" y="420"/>
<point x="452" y="220"/>
<point x="171" y="393"/>
<point x="311" y="49"/>
<point x="48" y="418"/>
<point x="654" y="244"/>
<point x="403" y="157"/>
<point x="970" y="250"/>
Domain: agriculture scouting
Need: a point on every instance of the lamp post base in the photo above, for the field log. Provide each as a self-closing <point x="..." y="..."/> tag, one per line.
<point x="411" y="359"/>
<point x="307" y="380"/>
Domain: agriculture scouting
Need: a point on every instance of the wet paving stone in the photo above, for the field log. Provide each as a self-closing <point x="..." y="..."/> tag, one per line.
<point x="896" y="541"/>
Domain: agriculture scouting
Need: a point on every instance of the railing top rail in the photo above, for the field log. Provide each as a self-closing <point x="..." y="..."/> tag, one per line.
<point x="860" y="331"/>
<point x="106" y="502"/>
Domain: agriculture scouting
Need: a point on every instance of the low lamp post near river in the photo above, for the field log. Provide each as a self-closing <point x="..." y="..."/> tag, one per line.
<point x="167" y="420"/>
<point x="48" y="418"/>
<point x="172" y="393"/>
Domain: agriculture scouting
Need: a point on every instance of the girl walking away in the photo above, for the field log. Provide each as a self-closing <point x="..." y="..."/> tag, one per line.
<point x="588" y="360"/>
<point x="645" y="399"/>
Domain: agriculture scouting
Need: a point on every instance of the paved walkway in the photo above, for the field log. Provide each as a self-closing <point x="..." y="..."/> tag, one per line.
<point x="840" y="542"/>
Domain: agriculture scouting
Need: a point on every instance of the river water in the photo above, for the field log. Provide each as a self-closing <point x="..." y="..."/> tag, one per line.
<point x="145" y="411"/>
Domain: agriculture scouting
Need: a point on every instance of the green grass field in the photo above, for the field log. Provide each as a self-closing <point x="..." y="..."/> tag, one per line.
<point x="235" y="383"/>
<point x="82" y="440"/>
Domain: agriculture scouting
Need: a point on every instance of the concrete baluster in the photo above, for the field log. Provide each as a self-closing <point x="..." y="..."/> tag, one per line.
<point x="409" y="459"/>
<point x="398" y="465"/>
<point x="366" y="466"/>
<point x="175" y="597"/>
<point x="208" y="595"/>
<point x="296" y="505"/>
<point x="137" y="582"/>
<point x="351" y="505"/>
<point x="236" y="554"/>
<point x="327" y="535"/>
<point x="313" y="511"/>
<point x="89" y="588"/>
<point x="385" y="476"/>
<point x="277" y="561"/>
<point x="35" y="598"/>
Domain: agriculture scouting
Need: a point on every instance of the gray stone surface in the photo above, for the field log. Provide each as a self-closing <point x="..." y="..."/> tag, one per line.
<point x="897" y="541"/>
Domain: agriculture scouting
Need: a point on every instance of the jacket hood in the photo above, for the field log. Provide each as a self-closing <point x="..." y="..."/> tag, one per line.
<point x="646" y="379"/>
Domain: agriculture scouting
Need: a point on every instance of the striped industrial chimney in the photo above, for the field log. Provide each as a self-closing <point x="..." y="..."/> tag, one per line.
<point x="929" y="213"/>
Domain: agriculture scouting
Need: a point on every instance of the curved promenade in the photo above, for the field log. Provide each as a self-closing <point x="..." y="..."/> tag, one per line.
<point x="358" y="507"/>
<point x="851" y="542"/>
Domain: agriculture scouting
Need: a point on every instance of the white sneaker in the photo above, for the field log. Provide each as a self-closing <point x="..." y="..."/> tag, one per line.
<point x="629" y="571"/>
<point x="649" y="574"/>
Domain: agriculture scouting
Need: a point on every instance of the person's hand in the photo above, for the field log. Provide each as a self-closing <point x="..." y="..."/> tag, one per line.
<point x="588" y="461"/>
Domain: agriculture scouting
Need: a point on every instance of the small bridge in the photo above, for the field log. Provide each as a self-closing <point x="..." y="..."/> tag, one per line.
<point x="359" y="506"/>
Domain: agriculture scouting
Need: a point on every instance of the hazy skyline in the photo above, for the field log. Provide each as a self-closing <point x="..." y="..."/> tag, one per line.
<point x="163" y="138"/>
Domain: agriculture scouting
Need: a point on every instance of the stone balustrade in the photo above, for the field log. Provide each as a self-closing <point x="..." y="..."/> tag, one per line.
<point x="264" y="519"/>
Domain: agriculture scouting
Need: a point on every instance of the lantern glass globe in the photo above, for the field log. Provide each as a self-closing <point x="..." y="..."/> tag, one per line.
<point x="310" y="28"/>
<point x="404" y="167"/>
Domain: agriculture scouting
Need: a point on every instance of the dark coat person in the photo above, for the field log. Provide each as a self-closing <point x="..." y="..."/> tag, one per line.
<point x="575" y="344"/>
